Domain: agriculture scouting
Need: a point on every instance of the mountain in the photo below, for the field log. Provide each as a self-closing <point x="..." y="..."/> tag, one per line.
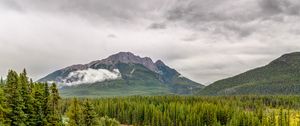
<point x="121" y="74"/>
<point x="281" y="76"/>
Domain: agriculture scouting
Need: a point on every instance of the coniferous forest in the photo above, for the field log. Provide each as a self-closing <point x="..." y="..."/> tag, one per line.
<point x="27" y="103"/>
<point x="150" y="63"/>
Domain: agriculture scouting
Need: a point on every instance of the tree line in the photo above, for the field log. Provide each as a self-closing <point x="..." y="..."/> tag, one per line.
<point x="197" y="111"/>
<point x="27" y="103"/>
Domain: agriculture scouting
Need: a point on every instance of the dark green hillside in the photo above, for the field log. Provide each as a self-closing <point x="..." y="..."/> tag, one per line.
<point x="116" y="88"/>
<point x="281" y="76"/>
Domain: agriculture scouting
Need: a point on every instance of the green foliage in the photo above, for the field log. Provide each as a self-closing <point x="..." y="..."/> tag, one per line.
<point x="2" y="82"/>
<point x="196" y="111"/>
<point x="280" y="77"/>
<point x="106" y="121"/>
<point x="89" y="114"/>
<point x="75" y="113"/>
<point x="25" y="103"/>
<point x="15" y="102"/>
<point x="83" y="114"/>
<point x="27" y="98"/>
<point x="3" y="108"/>
<point x="53" y="104"/>
<point x="116" y="88"/>
<point x="39" y="113"/>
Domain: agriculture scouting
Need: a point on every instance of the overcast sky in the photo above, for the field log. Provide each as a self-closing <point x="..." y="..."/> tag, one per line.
<point x="205" y="40"/>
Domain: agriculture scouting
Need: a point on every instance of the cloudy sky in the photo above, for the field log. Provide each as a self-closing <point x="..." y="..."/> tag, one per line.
<point x="205" y="40"/>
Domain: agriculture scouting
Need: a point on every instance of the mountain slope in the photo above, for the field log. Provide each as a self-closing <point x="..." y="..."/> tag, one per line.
<point x="121" y="74"/>
<point x="281" y="76"/>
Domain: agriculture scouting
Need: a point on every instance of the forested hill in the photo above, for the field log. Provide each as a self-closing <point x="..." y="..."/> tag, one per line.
<point x="281" y="76"/>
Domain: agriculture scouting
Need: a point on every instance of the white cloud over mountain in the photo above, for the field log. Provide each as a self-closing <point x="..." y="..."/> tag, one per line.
<point x="89" y="76"/>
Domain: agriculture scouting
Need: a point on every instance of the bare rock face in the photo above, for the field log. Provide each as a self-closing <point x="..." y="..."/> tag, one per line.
<point x="127" y="57"/>
<point x="76" y="67"/>
<point x="159" y="63"/>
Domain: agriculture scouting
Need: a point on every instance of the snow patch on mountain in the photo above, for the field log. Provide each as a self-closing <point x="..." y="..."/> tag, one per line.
<point x="89" y="76"/>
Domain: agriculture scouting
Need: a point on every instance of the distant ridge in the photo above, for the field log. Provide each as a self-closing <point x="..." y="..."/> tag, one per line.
<point x="280" y="77"/>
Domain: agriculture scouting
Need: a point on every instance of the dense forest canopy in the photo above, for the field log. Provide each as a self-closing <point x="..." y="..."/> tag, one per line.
<point x="27" y="103"/>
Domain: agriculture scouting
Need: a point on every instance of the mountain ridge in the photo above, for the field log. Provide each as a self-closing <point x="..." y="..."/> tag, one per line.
<point x="123" y="69"/>
<point x="280" y="76"/>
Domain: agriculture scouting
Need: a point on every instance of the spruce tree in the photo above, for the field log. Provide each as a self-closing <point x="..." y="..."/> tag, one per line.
<point x="75" y="113"/>
<point x="31" y="85"/>
<point x="89" y="115"/>
<point x="15" y="102"/>
<point x="54" y="116"/>
<point x="3" y="108"/>
<point x="39" y="117"/>
<point x="27" y="98"/>
<point x="44" y="99"/>
<point x="1" y="81"/>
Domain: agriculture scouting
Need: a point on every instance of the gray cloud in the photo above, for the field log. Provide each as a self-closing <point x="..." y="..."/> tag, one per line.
<point x="112" y="10"/>
<point x="111" y="36"/>
<point x="157" y="26"/>
<point x="192" y="37"/>
<point x="272" y="7"/>
<point x="204" y="40"/>
<point x="243" y="17"/>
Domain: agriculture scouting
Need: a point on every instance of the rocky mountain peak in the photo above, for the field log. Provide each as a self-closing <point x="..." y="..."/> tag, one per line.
<point x="127" y="57"/>
<point x="121" y="68"/>
<point x="121" y="56"/>
<point x="159" y="63"/>
<point x="76" y="67"/>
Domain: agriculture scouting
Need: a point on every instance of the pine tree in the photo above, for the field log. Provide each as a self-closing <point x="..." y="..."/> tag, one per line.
<point x="27" y="98"/>
<point x="75" y="113"/>
<point x="39" y="117"/>
<point x="15" y="102"/>
<point x="3" y="108"/>
<point x="281" y="117"/>
<point x="44" y="99"/>
<point x="31" y="85"/>
<point x="1" y="81"/>
<point x="89" y="115"/>
<point x="54" y="116"/>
